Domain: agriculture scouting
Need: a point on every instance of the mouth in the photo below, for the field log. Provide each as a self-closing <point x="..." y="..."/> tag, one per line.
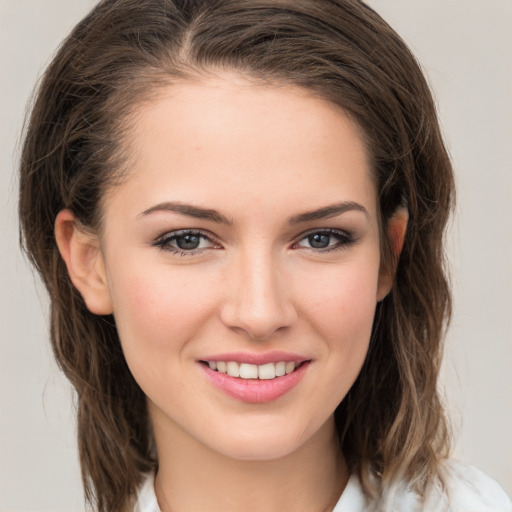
<point x="255" y="378"/>
<point x="267" y="371"/>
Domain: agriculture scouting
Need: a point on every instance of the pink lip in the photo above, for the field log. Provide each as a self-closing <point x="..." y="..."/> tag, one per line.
<point x="254" y="390"/>
<point x="253" y="358"/>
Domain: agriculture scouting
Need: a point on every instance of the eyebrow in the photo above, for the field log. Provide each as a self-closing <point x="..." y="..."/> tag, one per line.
<point x="213" y="215"/>
<point x="328" y="212"/>
<point x="189" y="210"/>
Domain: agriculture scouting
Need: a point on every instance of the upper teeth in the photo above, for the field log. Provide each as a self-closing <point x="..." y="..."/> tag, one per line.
<point x="253" y="371"/>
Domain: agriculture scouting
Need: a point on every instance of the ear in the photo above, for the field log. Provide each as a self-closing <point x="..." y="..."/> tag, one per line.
<point x="81" y="252"/>
<point x="396" y="228"/>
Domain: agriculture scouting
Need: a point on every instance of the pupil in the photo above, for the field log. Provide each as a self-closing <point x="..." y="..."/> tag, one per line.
<point x="188" y="242"/>
<point x="319" y="240"/>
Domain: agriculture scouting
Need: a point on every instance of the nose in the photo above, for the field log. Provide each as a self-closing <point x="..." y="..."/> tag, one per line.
<point x="258" y="301"/>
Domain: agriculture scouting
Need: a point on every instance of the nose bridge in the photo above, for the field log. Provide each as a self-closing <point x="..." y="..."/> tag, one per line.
<point x="259" y="301"/>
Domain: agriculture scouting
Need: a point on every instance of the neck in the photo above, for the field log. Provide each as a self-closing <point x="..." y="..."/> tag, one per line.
<point x="191" y="477"/>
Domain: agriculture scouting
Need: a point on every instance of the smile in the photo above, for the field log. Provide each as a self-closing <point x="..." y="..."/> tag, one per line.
<point x="254" y="383"/>
<point x="253" y="371"/>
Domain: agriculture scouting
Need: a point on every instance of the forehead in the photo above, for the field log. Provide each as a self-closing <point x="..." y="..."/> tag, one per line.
<point x="227" y="138"/>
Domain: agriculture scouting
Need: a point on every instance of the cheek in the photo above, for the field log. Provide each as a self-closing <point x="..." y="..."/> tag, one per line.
<point x="340" y="308"/>
<point x="156" y="312"/>
<point x="342" y="299"/>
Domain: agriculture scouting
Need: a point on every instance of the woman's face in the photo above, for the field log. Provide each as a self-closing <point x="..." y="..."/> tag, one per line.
<point x="246" y="236"/>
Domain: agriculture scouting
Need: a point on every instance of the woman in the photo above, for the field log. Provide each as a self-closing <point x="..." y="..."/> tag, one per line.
<point x="238" y="210"/>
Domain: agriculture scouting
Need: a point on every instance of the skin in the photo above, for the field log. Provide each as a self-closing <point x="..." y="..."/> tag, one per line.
<point x="259" y="156"/>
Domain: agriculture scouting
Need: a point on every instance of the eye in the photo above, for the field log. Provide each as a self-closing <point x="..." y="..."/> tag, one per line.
<point x="185" y="242"/>
<point x="325" y="240"/>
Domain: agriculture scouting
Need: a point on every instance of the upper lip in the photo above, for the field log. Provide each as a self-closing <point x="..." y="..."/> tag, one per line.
<point x="257" y="358"/>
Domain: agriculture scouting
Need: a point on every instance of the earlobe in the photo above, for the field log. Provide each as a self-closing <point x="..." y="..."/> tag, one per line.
<point x="396" y="229"/>
<point x="81" y="252"/>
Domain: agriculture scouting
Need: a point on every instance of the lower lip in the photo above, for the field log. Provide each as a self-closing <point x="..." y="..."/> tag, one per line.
<point x="255" y="391"/>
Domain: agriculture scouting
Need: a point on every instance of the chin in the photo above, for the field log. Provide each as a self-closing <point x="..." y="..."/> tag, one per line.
<point x="261" y="444"/>
<point x="258" y="450"/>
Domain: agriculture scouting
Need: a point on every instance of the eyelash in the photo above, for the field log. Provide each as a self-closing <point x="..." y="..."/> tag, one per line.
<point x="164" y="242"/>
<point x="344" y="238"/>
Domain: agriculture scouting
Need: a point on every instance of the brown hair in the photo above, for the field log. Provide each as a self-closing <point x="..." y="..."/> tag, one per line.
<point x="391" y="424"/>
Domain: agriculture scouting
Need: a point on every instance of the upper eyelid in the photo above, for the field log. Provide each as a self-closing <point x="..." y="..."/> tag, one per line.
<point x="182" y="232"/>
<point x="335" y="231"/>
<point x="209" y="234"/>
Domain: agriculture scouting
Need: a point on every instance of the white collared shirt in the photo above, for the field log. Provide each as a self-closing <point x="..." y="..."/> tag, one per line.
<point x="467" y="490"/>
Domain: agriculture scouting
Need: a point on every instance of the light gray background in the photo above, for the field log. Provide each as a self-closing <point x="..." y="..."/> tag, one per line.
<point x="465" y="47"/>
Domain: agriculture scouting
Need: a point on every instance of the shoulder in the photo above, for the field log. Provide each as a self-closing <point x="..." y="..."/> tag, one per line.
<point x="470" y="490"/>
<point x="464" y="489"/>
